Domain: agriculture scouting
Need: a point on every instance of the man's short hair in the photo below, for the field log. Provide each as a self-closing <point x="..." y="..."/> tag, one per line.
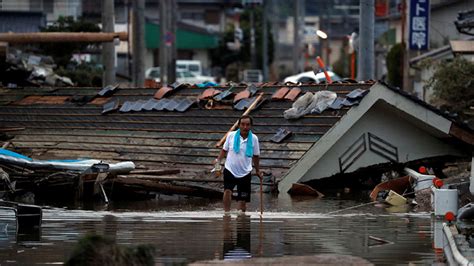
<point x="246" y="116"/>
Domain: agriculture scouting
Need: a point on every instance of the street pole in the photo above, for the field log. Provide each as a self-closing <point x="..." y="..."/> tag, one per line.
<point x="129" y="57"/>
<point x="168" y="53"/>
<point x="276" y="35"/>
<point x="296" y="38"/>
<point x="265" y="42"/>
<point x="172" y="14"/>
<point x="163" y="52"/>
<point x="405" y="49"/>
<point x="366" y="40"/>
<point x="139" y="43"/>
<point x="108" y="48"/>
<point x="253" y="53"/>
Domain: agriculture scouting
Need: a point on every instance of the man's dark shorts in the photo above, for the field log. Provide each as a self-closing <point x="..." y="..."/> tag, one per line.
<point x="242" y="183"/>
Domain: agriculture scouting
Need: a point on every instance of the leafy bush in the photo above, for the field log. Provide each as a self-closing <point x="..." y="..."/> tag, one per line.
<point x="453" y="84"/>
<point x="83" y="75"/>
<point x="394" y="63"/>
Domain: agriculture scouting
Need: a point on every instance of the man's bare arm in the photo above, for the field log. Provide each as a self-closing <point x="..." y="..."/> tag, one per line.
<point x="221" y="156"/>
<point x="256" y="165"/>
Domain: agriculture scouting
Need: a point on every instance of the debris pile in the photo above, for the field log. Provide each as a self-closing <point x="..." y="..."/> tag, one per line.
<point x="27" y="69"/>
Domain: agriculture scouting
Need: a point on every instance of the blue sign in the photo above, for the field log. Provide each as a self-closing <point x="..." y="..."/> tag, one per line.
<point x="419" y="25"/>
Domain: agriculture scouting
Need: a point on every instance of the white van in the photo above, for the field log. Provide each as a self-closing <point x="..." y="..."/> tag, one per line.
<point x="193" y="66"/>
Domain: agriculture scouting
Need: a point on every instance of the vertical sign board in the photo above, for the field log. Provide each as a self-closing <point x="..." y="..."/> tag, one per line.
<point x="419" y="24"/>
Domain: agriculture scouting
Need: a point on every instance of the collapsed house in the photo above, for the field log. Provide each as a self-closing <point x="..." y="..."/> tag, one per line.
<point x="173" y="134"/>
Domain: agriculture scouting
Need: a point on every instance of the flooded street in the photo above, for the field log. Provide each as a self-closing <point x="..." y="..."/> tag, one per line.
<point x="185" y="231"/>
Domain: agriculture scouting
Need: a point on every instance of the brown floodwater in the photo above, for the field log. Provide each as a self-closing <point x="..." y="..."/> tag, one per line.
<point x="186" y="230"/>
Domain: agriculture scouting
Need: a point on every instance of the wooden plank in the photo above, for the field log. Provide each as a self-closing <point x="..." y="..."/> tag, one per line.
<point x="194" y="111"/>
<point x="162" y="187"/>
<point x="152" y="151"/>
<point x="164" y="117"/>
<point x="462" y="134"/>
<point x="295" y="138"/>
<point x="303" y="129"/>
<point x="117" y="133"/>
<point x="206" y="161"/>
<point x="155" y="172"/>
<point x="131" y="141"/>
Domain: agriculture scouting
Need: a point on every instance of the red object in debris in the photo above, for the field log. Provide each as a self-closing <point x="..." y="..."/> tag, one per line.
<point x="280" y="94"/>
<point x="208" y="93"/>
<point x="241" y="95"/>
<point x="422" y="170"/>
<point x="293" y="94"/>
<point x="321" y="65"/>
<point x="161" y="93"/>
<point x="438" y="183"/>
<point x="449" y="216"/>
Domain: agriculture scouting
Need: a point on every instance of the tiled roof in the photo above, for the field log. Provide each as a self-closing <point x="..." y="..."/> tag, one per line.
<point x="62" y="128"/>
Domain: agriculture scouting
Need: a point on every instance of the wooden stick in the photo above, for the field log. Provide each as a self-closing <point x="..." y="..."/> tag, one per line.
<point x="6" y="144"/>
<point x="7" y="129"/>
<point x="261" y="196"/>
<point x="251" y="107"/>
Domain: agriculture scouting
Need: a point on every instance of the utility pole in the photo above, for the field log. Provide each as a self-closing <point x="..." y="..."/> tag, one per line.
<point x="163" y="53"/>
<point x="172" y="14"/>
<point x="275" y="33"/>
<point x="168" y="13"/>
<point x="129" y="41"/>
<point x="138" y="43"/>
<point x="366" y="62"/>
<point x="253" y="52"/>
<point x="296" y="38"/>
<point x="405" y="49"/>
<point x="265" y="41"/>
<point x="108" y="48"/>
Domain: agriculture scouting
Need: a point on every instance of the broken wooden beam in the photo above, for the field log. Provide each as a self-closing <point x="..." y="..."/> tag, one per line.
<point x="167" y="188"/>
<point x="155" y="172"/>
<point x="36" y="37"/>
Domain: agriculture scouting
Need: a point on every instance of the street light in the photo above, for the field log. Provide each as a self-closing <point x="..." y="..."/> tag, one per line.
<point x="321" y="34"/>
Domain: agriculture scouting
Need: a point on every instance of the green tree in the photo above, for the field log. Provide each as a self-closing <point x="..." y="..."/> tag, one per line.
<point x="62" y="52"/>
<point x="394" y="63"/>
<point x="453" y="85"/>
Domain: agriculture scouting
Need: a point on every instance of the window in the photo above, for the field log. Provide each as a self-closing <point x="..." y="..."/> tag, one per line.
<point x="188" y="74"/>
<point x="305" y="80"/>
<point x="193" y="68"/>
<point x="155" y="74"/>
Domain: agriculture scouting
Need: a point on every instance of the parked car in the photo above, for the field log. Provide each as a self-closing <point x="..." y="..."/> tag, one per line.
<point x="153" y="73"/>
<point x="182" y="76"/>
<point x="193" y="66"/>
<point x="309" y="76"/>
<point x="189" y="77"/>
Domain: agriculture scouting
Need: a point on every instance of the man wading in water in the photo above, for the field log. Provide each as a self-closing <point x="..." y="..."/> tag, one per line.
<point x="242" y="149"/>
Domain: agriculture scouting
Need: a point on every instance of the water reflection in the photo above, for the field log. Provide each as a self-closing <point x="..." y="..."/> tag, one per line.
<point x="193" y="231"/>
<point x="11" y="232"/>
<point x="236" y="248"/>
